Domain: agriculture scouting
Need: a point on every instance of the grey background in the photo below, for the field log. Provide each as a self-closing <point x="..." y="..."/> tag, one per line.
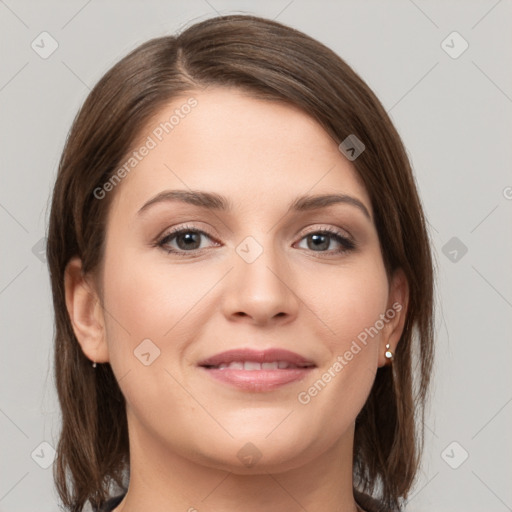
<point x="454" y="115"/>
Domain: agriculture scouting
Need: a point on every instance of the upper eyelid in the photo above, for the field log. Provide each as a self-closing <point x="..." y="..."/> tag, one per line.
<point x="178" y="230"/>
<point x="331" y="229"/>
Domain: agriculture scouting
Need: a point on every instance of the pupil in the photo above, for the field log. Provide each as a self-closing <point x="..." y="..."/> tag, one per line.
<point x="321" y="245"/>
<point x="188" y="237"/>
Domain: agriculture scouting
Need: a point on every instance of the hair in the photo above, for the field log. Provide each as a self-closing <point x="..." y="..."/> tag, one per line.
<point x="272" y="61"/>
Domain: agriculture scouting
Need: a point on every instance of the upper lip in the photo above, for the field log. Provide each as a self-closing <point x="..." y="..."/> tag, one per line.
<point x="259" y="356"/>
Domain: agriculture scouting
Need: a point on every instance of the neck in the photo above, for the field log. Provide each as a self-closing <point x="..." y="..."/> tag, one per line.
<point x="161" y="480"/>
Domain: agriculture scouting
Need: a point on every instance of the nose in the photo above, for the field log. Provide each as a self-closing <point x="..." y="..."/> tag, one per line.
<point x="261" y="292"/>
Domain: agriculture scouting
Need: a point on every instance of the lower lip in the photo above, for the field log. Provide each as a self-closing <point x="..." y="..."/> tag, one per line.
<point x="258" y="380"/>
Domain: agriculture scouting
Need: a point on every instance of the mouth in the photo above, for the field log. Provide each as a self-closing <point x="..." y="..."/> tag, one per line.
<point x="255" y="365"/>
<point x="253" y="370"/>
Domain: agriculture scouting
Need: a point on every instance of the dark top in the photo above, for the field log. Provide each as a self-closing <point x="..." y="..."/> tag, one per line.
<point x="367" y="503"/>
<point x="111" y="504"/>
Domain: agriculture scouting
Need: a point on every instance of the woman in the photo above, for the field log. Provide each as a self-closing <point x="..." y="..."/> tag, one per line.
<point x="242" y="280"/>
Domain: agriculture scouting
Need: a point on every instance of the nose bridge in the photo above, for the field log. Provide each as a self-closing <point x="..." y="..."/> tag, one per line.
<point x="259" y="284"/>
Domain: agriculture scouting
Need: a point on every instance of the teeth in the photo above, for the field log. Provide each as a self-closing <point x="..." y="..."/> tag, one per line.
<point x="251" y="365"/>
<point x="254" y="365"/>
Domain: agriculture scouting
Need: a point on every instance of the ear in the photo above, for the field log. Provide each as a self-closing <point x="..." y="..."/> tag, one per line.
<point x="85" y="311"/>
<point x="395" y="315"/>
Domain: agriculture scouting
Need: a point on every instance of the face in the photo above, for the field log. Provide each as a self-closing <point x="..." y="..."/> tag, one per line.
<point x="262" y="321"/>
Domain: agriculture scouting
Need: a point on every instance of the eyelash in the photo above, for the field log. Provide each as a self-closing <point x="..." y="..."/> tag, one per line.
<point x="347" y="245"/>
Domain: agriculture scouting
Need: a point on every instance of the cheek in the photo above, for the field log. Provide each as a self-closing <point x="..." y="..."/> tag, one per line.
<point x="352" y="301"/>
<point x="147" y="328"/>
<point x="155" y="311"/>
<point x="145" y="300"/>
<point x="349" y="311"/>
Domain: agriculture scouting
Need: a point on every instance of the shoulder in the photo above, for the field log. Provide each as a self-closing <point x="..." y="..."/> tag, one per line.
<point x="368" y="503"/>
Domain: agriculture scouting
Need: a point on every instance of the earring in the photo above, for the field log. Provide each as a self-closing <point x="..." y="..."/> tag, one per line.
<point x="388" y="353"/>
<point x="94" y="364"/>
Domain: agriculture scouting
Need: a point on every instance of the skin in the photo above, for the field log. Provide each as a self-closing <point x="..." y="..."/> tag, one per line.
<point x="185" y="427"/>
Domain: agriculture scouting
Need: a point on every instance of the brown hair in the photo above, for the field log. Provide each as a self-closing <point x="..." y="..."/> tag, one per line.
<point x="272" y="61"/>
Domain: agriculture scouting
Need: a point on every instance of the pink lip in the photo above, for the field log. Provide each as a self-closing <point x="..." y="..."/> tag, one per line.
<point x="257" y="380"/>
<point x="259" y="356"/>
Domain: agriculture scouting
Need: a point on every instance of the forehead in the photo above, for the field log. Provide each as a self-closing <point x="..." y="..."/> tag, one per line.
<point x="223" y="140"/>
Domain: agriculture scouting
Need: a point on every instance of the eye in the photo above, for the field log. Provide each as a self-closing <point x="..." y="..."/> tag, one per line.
<point x="320" y="240"/>
<point x="186" y="241"/>
<point x="186" y="238"/>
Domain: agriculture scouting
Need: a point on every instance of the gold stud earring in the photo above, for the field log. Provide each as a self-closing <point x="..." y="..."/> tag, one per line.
<point x="388" y="353"/>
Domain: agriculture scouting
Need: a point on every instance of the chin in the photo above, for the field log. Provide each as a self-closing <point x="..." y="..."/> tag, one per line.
<point x="257" y="453"/>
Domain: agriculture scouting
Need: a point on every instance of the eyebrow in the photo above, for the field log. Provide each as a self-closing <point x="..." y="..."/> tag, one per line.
<point x="214" y="201"/>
